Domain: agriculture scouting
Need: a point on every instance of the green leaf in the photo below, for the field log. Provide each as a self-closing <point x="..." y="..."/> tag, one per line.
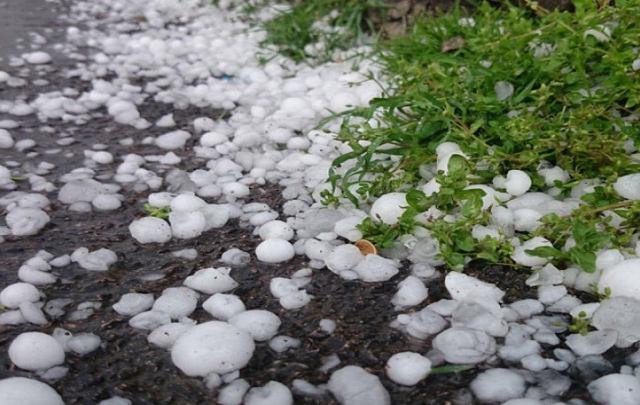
<point x="586" y="260"/>
<point x="544" y="251"/>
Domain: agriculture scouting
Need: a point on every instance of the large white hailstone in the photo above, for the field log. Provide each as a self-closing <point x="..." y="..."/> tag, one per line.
<point x="35" y="351"/>
<point x="215" y="215"/>
<point x="521" y="257"/>
<point x="615" y="389"/>
<point x="374" y="268"/>
<point x="275" y="251"/>
<point x="411" y="291"/>
<point x="37" y="57"/>
<point x="272" y="393"/>
<point x="408" y="368"/>
<point x="26" y="221"/>
<point x="98" y="260"/>
<point x="172" y="140"/>
<point x="15" y="294"/>
<point x="622" y="279"/>
<point x="223" y="306"/>
<point x="628" y="186"/>
<point x="621" y="314"/>
<point x="150" y="230"/>
<point x="187" y="203"/>
<point x="354" y="385"/>
<point x="177" y="302"/>
<point x="498" y="385"/>
<point x="526" y="219"/>
<point x="212" y="347"/>
<point x="462" y="287"/>
<point x="347" y="228"/>
<point x="25" y="391"/>
<point x="262" y="325"/>
<point x="517" y="183"/>
<point x="343" y="257"/>
<point x="187" y="225"/>
<point x="133" y="303"/>
<point x="276" y="230"/>
<point x="464" y="346"/>
<point x="344" y="101"/>
<point x="211" y="280"/>
<point x="554" y="174"/>
<point x="389" y="207"/>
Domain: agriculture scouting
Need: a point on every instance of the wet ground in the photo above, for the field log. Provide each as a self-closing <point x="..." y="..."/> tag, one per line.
<point x="126" y="364"/>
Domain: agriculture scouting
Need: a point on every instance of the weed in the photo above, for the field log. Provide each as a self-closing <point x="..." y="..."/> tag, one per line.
<point x="162" y="212"/>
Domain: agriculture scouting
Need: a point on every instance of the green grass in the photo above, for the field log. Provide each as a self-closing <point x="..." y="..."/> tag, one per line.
<point x="575" y="94"/>
<point x="345" y="25"/>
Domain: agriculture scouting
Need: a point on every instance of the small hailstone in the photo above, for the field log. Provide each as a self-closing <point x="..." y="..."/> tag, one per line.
<point x="517" y="183"/>
<point x="223" y="306"/>
<point x="133" y="303"/>
<point x="503" y="90"/>
<point x="177" y="302"/>
<point x="328" y="326"/>
<point x="498" y="385"/>
<point x="15" y="294"/>
<point x="6" y="140"/>
<point x="296" y="300"/>
<point x="551" y="293"/>
<point x="272" y="393"/>
<point x="411" y="291"/>
<point x="149" y="320"/>
<point x="595" y="342"/>
<point x="166" y="121"/>
<point x="212" y="347"/>
<point x="276" y="230"/>
<point x="37" y="58"/>
<point x="54" y="373"/>
<point x="281" y="287"/>
<point x="622" y="279"/>
<point x="347" y="228"/>
<point x="32" y="313"/>
<point x="236" y="190"/>
<point x="98" y="260"/>
<point x="354" y="385"/>
<point x="26" y="221"/>
<point x="102" y="157"/>
<point x="115" y="400"/>
<point x="187" y="225"/>
<point x="235" y="257"/>
<point x="172" y="140"/>
<point x="408" y="368"/>
<point x="211" y="280"/>
<point x="25" y="391"/>
<point x="262" y="325"/>
<point x="187" y="254"/>
<point x="106" y="202"/>
<point x="521" y="256"/>
<point x="283" y="343"/>
<point x="465" y="346"/>
<point x="374" y="268"/>
<point x="389" y="207"/>
<point x="462" y="287"/>
<point x="275" y="251"/>
<point x="35" y="351"/>
<point x="343" y="257"/>
<point x="533" y="362"/>
<point x="83" y="343"/>
<point x="233" y="393"/>
<point x="166" y="335"/>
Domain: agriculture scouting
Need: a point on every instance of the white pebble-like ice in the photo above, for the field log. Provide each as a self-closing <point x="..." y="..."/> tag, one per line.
<point x="176" y="302"/>
<point x="354" y="385"/>
<point x="84" y="343"/>
<point x="6" y="140"/>
<point x="35" y="351"/>
<point x="37" y="57"/>
<point x="15" y="294"/>
<point x="172" y="140"/>
<point x="272" y="393"/>
<point x="25" y="391"/>
<point x="133" y="303"/>
<point x="465" y="346"/>
<point x="211" y="280"/>
<point x="98" y="260"/>
<point x="622" y="279"/>
<point x="389" y="207"/>
<point x="212" y="347"/>
<point x="275" y="251"/>
<point x="262" y="325"/>
<point x="498" y="385"/>
<point x="374" y="268"/>
<point x="223" y="306"/>
<point x="408" y="368"/>
<point x="276" y="230"/>
<point x="166" y="335"/>
<point x="411" y="291"/>
<point x="615" y="389"/>
<point x="26" y="221"/>
<point x="517" y="183"/>
<point x="628" y="186"/>
<point x="150" y="230"/>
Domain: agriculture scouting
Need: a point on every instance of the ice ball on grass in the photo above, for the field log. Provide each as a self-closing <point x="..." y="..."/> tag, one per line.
<point x="272" y="393"/>
<point x="15" y="294"/>
<point x="615" y="389"/>
<point x="389" y="207"/>
<point x="150" y="230"/>
<point x="628" y="186"/>
<point x="25" y="391"/>
<point x="464" y="346"/>
<point x="517" y="183"/>
<point x="498" y="385"/>
<point x="35" y="351"/>
<point x="408" y="368"/>
<point x="177" y="302"/>
<point x="133" y="303"/>
<point x="275" y="251"/>
<point x="411" y="291"/>
<point x="262" y="325"/>
<point x="212" y="347"/>
<point x="354" y="385"/>
<point x="521" y="256"/>
<point x="622" y="279"/>
<point x="211" y="280"/>
<point x="223" y="306"/>
<point x="276" y="230"/>
<point x="26" y="221"/>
